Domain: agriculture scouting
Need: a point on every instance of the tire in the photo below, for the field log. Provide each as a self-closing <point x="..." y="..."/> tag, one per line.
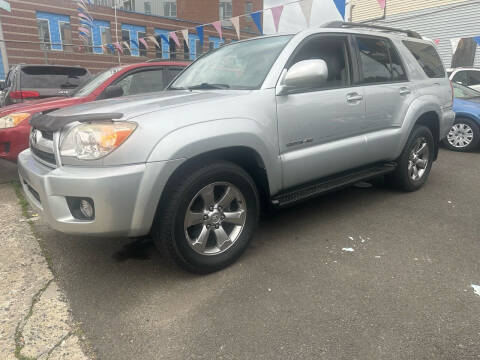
<point x="463" y="136"/>
<point x="405" y="177"/>
<point x="202" y="245"/>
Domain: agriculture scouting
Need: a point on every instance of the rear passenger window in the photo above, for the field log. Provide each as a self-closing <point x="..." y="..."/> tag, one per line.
<point x="473" y="78"/>
<point x="379" y="61"/>
<point x="461" y="78"/>
<point x="427" y="57"/>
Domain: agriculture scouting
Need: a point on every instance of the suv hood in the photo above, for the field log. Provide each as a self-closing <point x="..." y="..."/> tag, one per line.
<point x="136" y="105"/>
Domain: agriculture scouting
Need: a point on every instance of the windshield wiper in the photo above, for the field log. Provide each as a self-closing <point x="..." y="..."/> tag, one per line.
<point x="209" y="86"/>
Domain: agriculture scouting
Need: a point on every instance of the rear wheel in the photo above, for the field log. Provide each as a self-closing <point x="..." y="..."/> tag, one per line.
<point x="416" y="161"/>
<point x="464" y="135"/>
<point x="208" y="217"/>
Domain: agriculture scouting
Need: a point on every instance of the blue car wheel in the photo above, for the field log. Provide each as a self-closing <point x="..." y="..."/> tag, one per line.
<point x="463" y="136"/>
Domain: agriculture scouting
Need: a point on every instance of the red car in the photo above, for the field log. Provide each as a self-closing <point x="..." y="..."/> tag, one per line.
<point x="118" y="81"/>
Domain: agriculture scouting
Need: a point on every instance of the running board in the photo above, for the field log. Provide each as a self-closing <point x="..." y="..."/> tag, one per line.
<point x="315" y="189"/>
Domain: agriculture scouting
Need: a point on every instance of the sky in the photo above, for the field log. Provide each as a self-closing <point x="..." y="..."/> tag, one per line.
<point x="292" y="19"/>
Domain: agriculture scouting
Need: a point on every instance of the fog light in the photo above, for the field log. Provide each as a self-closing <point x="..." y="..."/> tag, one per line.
<point x="86" y="208"/>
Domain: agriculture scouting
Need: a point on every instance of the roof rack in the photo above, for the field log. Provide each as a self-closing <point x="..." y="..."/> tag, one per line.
<point x="341" y="24"/>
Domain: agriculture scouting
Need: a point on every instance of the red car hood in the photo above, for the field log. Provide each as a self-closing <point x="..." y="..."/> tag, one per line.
<point x="34" y="106"/>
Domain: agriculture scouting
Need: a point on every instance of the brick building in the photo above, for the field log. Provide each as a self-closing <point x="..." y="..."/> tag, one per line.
<point x="40" y="31"/>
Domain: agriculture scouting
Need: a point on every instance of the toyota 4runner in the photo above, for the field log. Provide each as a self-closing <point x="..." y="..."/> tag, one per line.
<point x="257" y="123"/>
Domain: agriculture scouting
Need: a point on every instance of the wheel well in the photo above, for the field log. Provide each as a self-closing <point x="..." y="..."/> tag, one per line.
<point x="245" y="157"/>
<point x="430" y="120"/>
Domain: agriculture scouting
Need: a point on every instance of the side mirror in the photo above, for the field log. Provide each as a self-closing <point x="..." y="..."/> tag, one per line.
<point x="306" y="74"/>
<point x="113" y="91"/>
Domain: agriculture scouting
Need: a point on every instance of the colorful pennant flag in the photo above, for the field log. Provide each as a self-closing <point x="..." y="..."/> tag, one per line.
<point x="174" y="36"/>
<point x="119" y="47"/>
<point x="200" y="34"/>
<point x="382" y="3"/>
<point x="306" y="6"/>
<point x="257" y="19"/>
<point x="236" y="24"/>
<point x="5" y="6"/>
<point x="477" y="39"/>
<point x="127" y="45"/>
<point x="142" y="40"/>
<point x="437" y="41"/>
<point x="154" y="40"/>
<point x="218" y="26"/>
<point x="277" y="13"/>
<point x="84" y="30"/>
<point x="340" y="4"/>
<point x="185" y="37"/>
<point x="165" y="38"/>
<point x="111" y="47"/>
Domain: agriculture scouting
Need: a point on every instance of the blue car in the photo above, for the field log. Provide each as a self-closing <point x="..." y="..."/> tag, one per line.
<point x="465" y="133"/>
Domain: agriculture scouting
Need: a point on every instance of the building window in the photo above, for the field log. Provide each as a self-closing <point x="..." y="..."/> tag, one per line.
<point x="106" y="36"/>
<point x="66" y="34"/>
<point x="126" y="38"/>
<point x="198" y="47"/>
<point x="141" y="47"/>
<point x="147" y="8"/>
<point x="225" y="9"/>
<point x="43" y="34"/>
<point x="127" y="5"/>
<point x="248" y="7"/>
<point x="170" y="8"/>
<point x="186" y="51"/>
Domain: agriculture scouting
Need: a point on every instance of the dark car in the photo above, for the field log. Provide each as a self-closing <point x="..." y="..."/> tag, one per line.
<point x="118" y="81"/>
<point x="40" y="81"/>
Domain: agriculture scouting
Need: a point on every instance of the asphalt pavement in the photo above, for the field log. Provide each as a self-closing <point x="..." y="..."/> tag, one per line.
<point x="365" y="273"/>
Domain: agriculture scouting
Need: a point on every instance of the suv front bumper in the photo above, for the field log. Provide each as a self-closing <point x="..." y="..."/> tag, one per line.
<point x="125" y="197"/>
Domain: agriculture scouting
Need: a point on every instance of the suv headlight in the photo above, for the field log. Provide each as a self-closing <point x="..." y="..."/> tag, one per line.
<point x="95" y="140"/>
<point x="12" y="120"/>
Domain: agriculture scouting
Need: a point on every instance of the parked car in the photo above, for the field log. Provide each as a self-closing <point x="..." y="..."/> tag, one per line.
<point x="465" y="76"/>
<point x="256" y="123"/>
<point x="114" y="82"/>
<point x="40" y="81"/>
<point x="465" y="132"/>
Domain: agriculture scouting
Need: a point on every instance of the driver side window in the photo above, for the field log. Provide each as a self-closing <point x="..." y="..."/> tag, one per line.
<point x="334" y="51"/>
<point x="142" y="82"/>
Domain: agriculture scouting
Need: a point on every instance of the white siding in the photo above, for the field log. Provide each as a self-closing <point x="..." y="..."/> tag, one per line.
<point x="444" y="23"/>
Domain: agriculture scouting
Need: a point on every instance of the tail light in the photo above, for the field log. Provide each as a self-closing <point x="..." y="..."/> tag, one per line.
<point x="24" y="94"/>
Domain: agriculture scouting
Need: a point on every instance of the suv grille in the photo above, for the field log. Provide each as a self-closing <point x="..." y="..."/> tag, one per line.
<point x="41" y="144"/>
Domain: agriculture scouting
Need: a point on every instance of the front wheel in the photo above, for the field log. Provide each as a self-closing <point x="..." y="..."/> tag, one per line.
<point x="463" y="136"/>
<point x="208" y="217"/>
<point x="416" y="161"/>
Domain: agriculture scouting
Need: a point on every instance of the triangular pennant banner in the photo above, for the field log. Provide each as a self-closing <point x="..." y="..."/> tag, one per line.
<point x="340" y="4"/>
<point x="119" y="48"/>
<point x="437" y="41"/>
<point x="200" y="34"/>
<point x="84" y="30"/>
<point x="165" y="38"/>
<point x="306" y="6"/>
<point x="142" y="40"/>
<point x="126" y="45"/>
<point x="218" y="26"/>
<point x="277" y="14"/>
<point x="236" y="24"/>
<point x="454" y="42"/>
<point x="185" y="37"/>
<point x="134" y="43"/>
<point x="257" y="19"/>
<point x="111" y="47"/>
<point x="174" y="36"/>
<point x="382" y="3"/>
<point x="154" y="40"/>
<point x="477" y="39"/>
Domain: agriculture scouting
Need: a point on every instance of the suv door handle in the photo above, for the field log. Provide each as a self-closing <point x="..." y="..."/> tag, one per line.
<point x="404" y="91"/>
<point x="354" y="98"/>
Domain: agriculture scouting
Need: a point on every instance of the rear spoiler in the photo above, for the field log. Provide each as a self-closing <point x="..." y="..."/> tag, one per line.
<point x="52" y="123"/>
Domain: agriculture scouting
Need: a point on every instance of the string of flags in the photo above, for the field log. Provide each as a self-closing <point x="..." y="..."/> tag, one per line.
<point x="86" y="25"/>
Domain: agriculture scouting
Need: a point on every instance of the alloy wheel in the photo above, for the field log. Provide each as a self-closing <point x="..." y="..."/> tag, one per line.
<point x="215" y="218"/>
<point x="418" y="159"/>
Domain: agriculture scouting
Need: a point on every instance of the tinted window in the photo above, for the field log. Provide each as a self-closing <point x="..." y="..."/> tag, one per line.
<point x="374" y="60"/>
<point x="170" y="74"/>
<point x="460" y="77"/>
<point x="142" y="82"/>
<point x="396" y="67"/>
<point x="464" y="92"/>
<point x="51" y="77"/>
<point x="427" y="57"/>
<point x="473" y="77"/>
<point x="333" y="50"/>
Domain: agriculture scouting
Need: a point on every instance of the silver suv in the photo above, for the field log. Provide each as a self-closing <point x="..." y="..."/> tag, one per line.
<point x="260" y="123"/>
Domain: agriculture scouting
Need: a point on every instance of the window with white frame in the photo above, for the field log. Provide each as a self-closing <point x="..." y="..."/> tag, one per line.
<point x="147" y="8"/>
<point x="106" y="36"/>
<point x="225" y="9"/>
<point x="43" y="34"/>
<point x="126" y="38"/>
<point x="170" y="8"/>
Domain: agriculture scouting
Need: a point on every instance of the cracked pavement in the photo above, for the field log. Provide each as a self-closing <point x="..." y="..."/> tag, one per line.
<point x="35" y="319"/>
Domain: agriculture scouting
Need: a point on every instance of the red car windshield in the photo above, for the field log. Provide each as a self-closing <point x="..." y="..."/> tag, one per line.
<point x="95" y="82"/>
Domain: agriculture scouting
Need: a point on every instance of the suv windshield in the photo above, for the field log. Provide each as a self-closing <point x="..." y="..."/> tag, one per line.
<point x="463" y="92"/>
<point x="95" y="82"/>
<point x="242" y="65"/>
